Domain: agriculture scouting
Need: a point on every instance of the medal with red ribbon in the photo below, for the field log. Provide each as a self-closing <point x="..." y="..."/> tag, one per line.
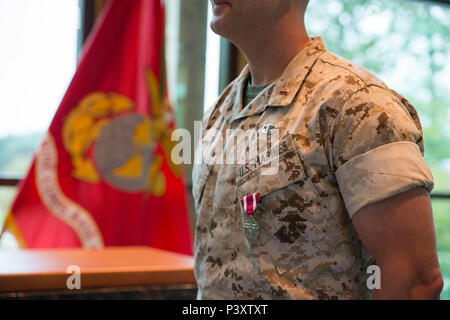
<point x="249" y="204"/>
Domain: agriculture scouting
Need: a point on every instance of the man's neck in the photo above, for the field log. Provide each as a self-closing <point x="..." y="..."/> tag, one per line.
<point x="269" y="52"/>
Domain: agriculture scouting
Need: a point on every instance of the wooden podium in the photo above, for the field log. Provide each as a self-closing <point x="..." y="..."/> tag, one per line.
<point x="110" y="273"/>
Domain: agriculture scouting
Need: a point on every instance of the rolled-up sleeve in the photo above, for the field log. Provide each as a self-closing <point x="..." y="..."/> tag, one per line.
<point x="381" y="173"/>
<point x="377" y="149"/>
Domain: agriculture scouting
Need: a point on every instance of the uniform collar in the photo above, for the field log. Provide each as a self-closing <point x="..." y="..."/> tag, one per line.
<point x="282" y="91"/>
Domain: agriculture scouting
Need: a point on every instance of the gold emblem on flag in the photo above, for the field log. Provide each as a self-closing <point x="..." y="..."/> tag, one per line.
<point x="108" y="140"/>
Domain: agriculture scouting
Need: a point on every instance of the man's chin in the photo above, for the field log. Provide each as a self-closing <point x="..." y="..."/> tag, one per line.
<point x="220" y="26"/>
<point x="217" y="26"/>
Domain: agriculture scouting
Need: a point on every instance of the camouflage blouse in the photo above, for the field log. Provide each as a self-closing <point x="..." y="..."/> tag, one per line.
<point x="344" y="140"/>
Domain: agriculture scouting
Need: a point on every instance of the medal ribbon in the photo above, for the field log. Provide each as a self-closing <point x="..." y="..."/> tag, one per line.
<point x="250" y="202"/>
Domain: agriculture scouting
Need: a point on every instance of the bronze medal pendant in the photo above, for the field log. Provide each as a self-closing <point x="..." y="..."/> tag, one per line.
<point x="251" y="229"/>
<point x="249" y="204"/>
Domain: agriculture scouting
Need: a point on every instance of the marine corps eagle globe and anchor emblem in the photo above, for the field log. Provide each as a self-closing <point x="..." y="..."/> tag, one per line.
<point x="121" y="142"/>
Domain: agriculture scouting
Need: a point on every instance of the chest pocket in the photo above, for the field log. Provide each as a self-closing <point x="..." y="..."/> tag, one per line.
<point x="294" y="228"/>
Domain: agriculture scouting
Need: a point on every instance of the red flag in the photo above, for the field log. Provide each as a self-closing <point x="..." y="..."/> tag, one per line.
<point x="104" y="175"/>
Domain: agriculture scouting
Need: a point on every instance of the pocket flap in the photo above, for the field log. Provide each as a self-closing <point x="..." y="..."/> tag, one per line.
<point x="275" y="173"/>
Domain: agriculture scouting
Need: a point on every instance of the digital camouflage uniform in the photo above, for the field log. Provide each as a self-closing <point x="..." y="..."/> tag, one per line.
<point x="346" y="141"/>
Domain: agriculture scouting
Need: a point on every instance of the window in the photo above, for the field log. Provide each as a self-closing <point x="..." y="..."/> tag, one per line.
<point x="186" y="44"/>
<point x="190" y="74"/>
<point x="40" y="60"/>
<point x="405" y="43"/>
<point x="38" y="57"/>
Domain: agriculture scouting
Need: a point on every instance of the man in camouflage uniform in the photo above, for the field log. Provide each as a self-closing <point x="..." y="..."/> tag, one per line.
<point x="351" y="187"/>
